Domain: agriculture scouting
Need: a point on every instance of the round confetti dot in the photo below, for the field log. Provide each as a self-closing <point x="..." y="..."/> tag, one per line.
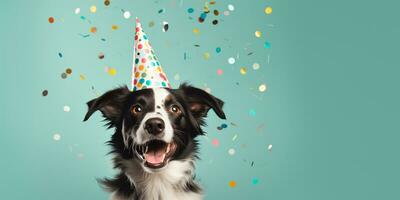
<point x="190" y="10"/>
<point x="262" y="87"/>
<point x="215" y="22"/>
<point x="67" y="109"/>
<point x="64" y="75"/>
<point x="257" y="34"/>
<point x="226" y="13"/>
<point x="165" y="26"/>
<point x="256" y="66"/>
<point x="51" y="20"/>
<point x="231" y="60"/>
<point x="270" y="147"/>
<point x="151" y="23"/>
<point x="231" y="152"/>
<point x="268" y="10"/>
<point x="112" y="71"/>
<point x="219" y="72"/>
<point x="127" y="14"/>
<point x="243" y="70"/>
<point x="254" y="181"/>
<point x="93" y="9"/>
<point x="215" y="142"/>
<point x="218" y="49"/>
<point x="224" y="125"/>
<point x="101" y="56"/>
<point x="114" y="27"/>
<point x="56" y="136"/>
<point x="68" y="71"/>
<point x="252" y="112"/>
<point x="93" y="29"/>
<point x="77" y="10"/>
<point x="267" y="45"/>
<point x="216" y="12"/>
<point x="45" y="93"/>
<point x="232" y="184"/>
<point x="206" y="55"/>
<point x="196" y="31"/>
<point x="106" y="2"/>
<point x="231" y="7"/>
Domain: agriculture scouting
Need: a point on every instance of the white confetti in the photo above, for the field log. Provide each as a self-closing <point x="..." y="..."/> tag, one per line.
<point x="56" y="137"/>
<point x="67" y="109"/>
<point x="231" y="7"/>
<point x="231" y="151"/>
<point x="77" y="10"/>
<point x="234" y="137"/>
<point x="262" y="87"/>
<point x="270" y="147"/>
<point x="127" y="14"/>
<point x="231" y="60"/>
<point x="256" y="66"/>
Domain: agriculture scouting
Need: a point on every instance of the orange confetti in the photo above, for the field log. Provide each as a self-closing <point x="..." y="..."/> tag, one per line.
<point x="51" y="20"/>
<point x="93" y="29"/>
<point x="232" y="184"/>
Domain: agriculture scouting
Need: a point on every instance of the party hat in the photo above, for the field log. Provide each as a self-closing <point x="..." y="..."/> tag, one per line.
<point x="147" y="71"/>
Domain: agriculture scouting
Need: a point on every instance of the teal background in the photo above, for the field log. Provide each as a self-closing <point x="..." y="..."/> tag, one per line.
<point x="331" y="110"/>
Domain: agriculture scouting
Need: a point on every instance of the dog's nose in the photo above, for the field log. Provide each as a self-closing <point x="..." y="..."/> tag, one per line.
<point x="154" y="126"/>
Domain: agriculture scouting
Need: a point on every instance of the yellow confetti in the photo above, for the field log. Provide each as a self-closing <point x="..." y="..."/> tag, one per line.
<point x="112" y="71"/>
<point x="82" y="77"/>
<point x="258" y="34"/>
<point x="93" y="9"/>
<point x="206" y="55"/>
<point x="114" y="27"/>
<point x="262" y="87"/>
<point x="196" y="31"/>
<point x="243" y="70"/>
<point x="268" y="10"/>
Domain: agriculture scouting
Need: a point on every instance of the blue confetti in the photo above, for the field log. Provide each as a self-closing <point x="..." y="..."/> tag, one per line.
<point x="218" y="49"/>
<point x="190" y="10"/>
<point x="252" y="112"/>
<point x="254" y="181"/>
<point x="60" y="55"/>
<point x="267" y="45"/>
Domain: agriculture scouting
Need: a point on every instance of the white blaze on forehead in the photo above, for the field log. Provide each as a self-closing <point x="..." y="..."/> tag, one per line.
<point x="160" y="111"/>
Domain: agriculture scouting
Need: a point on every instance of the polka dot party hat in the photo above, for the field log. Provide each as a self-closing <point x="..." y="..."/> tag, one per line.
<point x="147" y="71"/>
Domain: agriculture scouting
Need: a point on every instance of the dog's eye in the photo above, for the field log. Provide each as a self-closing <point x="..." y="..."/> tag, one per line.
<point x="175" y="109"/>
<point x="136" y="109"/>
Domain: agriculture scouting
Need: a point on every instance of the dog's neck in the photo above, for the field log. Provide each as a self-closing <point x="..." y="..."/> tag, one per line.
<point x="175" y="181"/>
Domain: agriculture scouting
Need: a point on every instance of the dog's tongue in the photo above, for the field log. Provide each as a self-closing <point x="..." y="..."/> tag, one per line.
<point x="155" y="157"/>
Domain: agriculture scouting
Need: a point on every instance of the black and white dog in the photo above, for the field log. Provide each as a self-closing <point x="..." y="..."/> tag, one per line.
<point x="154" y="145"/>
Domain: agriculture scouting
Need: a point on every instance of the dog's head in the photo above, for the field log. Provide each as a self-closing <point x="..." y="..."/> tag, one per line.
<point x="157" y="125"/>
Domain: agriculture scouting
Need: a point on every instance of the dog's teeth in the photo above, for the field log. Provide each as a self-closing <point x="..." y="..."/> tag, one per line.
<point x="147" y="148"/>
<point x="168" y="148"/>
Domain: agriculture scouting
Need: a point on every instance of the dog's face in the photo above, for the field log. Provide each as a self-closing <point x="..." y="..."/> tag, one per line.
<point x="157" y="125"/>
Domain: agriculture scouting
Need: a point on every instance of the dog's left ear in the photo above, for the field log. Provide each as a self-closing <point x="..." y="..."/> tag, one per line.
<point x="200" y="102"/>
<point x="110" y="104"/>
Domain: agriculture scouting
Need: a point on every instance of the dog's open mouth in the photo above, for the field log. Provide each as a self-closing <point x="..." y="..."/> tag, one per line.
<point x="156" y="153"/>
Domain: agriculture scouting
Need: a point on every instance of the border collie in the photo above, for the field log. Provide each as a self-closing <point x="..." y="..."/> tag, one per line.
<point x="154" y="146"/>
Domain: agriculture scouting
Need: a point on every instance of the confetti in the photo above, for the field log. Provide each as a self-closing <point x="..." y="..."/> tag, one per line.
<point x="64" y="75"/>
<point x="270" y="147"/>
<point x="165" y="26"/>
<point x="68" y="71"/>
<point x="112" y="71"/>
<point x="162" y="10"/>
<point x="83" y="17"/>
<point x="56" y="137"/>
<point x="218" y="49"/>
<point x="254" y="181"/>
<point x="231" y="60"/>
<point x="93" y="29"/>
<point x="93" y="9"/>
<point x="60" y="55"/>
<point x="177" y="77"/>
<point x="101" y="56"/>
<point x="82" y="77"/>
<point x="234" y="137"/>
<point x="190" y="10"/>
<point x="215" y="22"/>
<point x="45" y="93"/>
<point x="231" y="151"/>
<point x="243" y="70"/>
<point x="232" y="184"/>
<point x="226" y="13"/>
<point x="268" y="10"/>
<point x="256" y="66"/>
<point x="216" y="12"/>
<point x="67" y="109"/>
<point x="257" y="34"/>
<point x="219" y="72"/>
<point x="215" y="142"/>
<point x="231" y="7"/>
<point x="151" y="23"/>
<point x="77" y="10"/>
<point x="114" y="27"/>
<point x="262" y="87"/>
<point x="252" y="112"/>
<point x="127" y="14"/>
<point x="51" y="20"/>
<point x="267" y="45"/>
<point x="196" y="31"/>
<point x="106" y="2"/>
<point x="206" y="55"/>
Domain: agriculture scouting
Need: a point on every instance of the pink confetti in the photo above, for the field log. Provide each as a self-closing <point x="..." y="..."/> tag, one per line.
<point x="219" y="72"/>
<point x="215" y="142"/>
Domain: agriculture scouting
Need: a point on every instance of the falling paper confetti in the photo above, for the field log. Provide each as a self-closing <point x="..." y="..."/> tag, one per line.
<point x="252" y="112"/>
<point x="243" y="70"/>
<point x="232" y="184"/>
<point x="107" y="2"/>
<point x="112" y="71"/>
<point x="262" y="87"/>
<point x="268" y="10"/>
<point x="226" y="13"/>
<point x="231" y="151"/>
<point x="114" y="27"/>
<point x="215" y="142"/>
<point x="93" y="9"/>
<point x="270" y="147"/>
<point x="68" y="71"/>
<point x="56" y="137"/>
<point x="231" y="60"/>
<point x="267" y="45"/>
<point x="234" y="137"/>
<point x="127" y="14"/>
<point x="190" y="10"/>
<point x="196" y="31"/>
<point x="231" y="7"/>
<point x="64" y="75"/>
<point x="219" y="72"/>
<point x="67" y="109"/>
<point x="256" y="66"/>
<point x="218" y="49"/>
<point x="254" y="181"/>
<point x="206" y="55"/>
<point x="77" y="10"/>
<point x="165" y="26"/>
<point x="257" y="34"/>
<point x="45" y="93"/>
<point x="151" y="23"/>
<point x="101" y="56"/>
<point x="93" y="29"/>
<point x="82" y="77"/>
<point x="51" y="20"/>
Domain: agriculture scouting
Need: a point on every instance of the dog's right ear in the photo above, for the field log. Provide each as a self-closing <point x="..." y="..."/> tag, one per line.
<point x="110" y="104"/>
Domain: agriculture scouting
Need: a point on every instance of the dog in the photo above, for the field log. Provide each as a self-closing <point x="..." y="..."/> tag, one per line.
<point x="154" y="146"/>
